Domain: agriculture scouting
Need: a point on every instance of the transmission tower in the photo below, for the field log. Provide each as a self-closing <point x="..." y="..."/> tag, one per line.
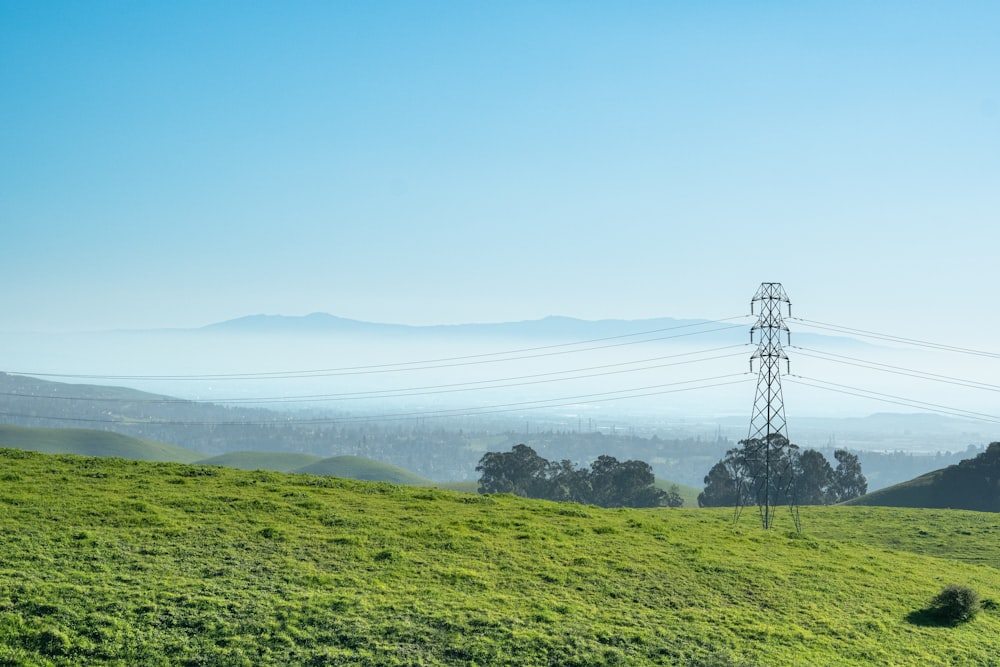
<point x="766" y="475"/>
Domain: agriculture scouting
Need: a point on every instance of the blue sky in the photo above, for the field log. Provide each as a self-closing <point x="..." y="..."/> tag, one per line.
<point x="175" y="164"/>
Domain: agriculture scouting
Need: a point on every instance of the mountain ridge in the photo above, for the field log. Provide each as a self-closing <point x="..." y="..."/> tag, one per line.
<point x="551" y="327"/>
<point x="326" y="322"/>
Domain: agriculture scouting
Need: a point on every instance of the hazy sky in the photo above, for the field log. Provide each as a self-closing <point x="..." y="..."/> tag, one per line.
<point x="179" y="163"/>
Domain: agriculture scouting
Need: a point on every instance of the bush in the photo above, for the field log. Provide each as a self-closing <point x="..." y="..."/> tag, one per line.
<point x="956" y="604"/>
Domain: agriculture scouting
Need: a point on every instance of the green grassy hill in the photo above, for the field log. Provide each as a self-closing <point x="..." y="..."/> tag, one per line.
<point x="972" y="484"/>
<point x="918" y="492"/>
<point x="357" y="467"/>
<point x="116" y="562"/>
<point x="276" y="461"/>
<point x="688" y="493"/>
<point x="92" y="443"/>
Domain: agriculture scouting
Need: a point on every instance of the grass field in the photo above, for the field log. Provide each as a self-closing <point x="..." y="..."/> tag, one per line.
<point x="109" y="561"/>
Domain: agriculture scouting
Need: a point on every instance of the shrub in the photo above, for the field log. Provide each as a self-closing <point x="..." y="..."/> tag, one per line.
<point x="956" y="604"/>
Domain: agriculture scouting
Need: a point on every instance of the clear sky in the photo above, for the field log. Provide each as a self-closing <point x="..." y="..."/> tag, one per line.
<point x="172" y="164"/>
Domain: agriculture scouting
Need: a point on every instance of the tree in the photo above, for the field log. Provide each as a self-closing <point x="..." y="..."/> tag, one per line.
<point x="814" y="479"/>
<point x="623" y="484"/>
<point x="520" y="471"/>
<point x="608" y="482"/>
<point x="767" y="470"/>
<point x="781" y="473"/>
<point x="673" y="497"/>
<point x="566" y="483"/>
<point x="972" y="484"/>
<point x="848" y="481"/>
<point x="721" y="482"/>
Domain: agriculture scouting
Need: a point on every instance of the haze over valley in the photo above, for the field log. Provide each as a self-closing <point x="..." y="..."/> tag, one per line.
<point x="555" y="383"/>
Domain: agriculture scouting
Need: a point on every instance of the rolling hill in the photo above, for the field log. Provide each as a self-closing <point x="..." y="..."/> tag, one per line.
<point x="973" y="484"/>
<point x="276" y="461"/>
<point x="688" y="493"/>
<point x="86" y="442"/>
<point x="112" y="562"/>
<point x="357" y="467"/>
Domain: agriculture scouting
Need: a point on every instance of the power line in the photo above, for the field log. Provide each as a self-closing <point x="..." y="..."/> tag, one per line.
<point x="890" y="398"/>
<point x="566" y="401"/>
<point x="896" y="339"/>
<point x="898" y="370"/>
<point x="427" y="364"/>
<point x="517" y="381"/>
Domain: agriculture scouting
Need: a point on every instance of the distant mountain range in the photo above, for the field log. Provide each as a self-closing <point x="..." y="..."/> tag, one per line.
<point x="553" y="327"/>
<point x="556" y="326"/>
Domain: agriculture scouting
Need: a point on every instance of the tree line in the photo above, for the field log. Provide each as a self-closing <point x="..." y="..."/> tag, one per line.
<point x="791" y="476"/>
<point x="973" y="484"/>
<point x="607" y="483"/>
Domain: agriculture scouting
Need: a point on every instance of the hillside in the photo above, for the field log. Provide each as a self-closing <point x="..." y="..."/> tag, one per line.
<point x="87" y="442"/>
<point x="688" y="493"/>
<point x="442" y="454"/>
<point x="276" y="461"/>
<point x="973" y="484"/>
<point x="205" y="427"/>
<point x="106" y="561"/>
<point x="357" y="467"/>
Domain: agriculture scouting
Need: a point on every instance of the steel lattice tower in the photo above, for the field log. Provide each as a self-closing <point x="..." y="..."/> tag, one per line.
<point x="767" y="475"/>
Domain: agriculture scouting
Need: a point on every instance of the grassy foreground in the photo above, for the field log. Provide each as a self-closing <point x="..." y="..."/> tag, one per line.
<point x="108" y="561"/>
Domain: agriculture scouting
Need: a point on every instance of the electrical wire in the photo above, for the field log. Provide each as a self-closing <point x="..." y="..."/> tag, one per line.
<point x="890" y="398"/>
<point x="566" y="401"/>
<point x="517" y="381"/>
<point x="427" y="364"/>
<point x="525" y="380"/>
<point x="898" y="370"/>
<point x="896" y="339"/>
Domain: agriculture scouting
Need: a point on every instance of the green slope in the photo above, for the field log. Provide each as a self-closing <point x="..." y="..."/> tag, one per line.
<point x="972" y="484"/>
<point x="87" y="442"/>
<point x="276" y="461"/>
<point x="918" y="492"/>
<point x="688" y="493"/>
<point x="357" y="467"/>
<point x="114" y="562"/>
<point x="971" y="537"/>
<point x="27" y="387"/>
